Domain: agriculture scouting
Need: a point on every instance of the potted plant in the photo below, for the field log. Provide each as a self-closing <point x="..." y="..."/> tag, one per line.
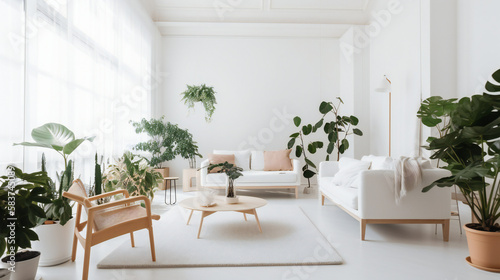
<point x="20" y="194"/>
<point x="233" y="172"/>
<point x="132" y="172"/>
<point x="203" y="94"/>
<point x="469" y="145"/>
<point x="337" y="130"/>
<point x="56" y="230"/>
<point x="186" y="147"/>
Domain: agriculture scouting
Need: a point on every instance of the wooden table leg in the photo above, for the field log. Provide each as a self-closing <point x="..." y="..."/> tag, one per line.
<point x="190" y="215"/>
<point x="245" y="215"/>
<point x="203" y="215"/>
<point x="257" y="219"/>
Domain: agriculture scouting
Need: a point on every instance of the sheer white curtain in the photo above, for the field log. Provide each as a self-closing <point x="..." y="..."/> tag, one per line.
<point x="89" y="65"/>
<point x="12" y="82"/>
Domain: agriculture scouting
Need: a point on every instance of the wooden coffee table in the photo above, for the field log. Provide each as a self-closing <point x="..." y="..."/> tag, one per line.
<point x="246" y="205"/>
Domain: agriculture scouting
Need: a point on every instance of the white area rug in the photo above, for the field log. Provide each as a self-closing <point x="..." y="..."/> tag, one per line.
<point x="288" y="238"/>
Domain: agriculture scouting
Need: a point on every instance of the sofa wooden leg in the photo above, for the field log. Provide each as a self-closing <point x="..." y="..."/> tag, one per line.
<point x="322" y="200"/>
<point x="296" y="192"/>
<point x="446" y="230"/>
<point x="363" y="229"/>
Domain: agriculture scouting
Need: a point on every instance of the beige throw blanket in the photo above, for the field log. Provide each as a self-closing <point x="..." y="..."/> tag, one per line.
<point x="407" y="175"/>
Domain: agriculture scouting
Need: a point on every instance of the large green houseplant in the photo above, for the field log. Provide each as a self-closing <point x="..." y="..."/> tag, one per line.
<point x="166" y="141"/>
<point x="21" y="195"/>
<point x="469" y="145"/>
<point x="132" y="173"/>
<point x="60" y="139"/>
<point x="337" y="131"/>
<point x="59" y="223"/>
<point x="203" y="94"/>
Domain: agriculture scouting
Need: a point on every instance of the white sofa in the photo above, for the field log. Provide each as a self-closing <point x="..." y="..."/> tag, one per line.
<point x="373" y="201"/>
<point x="253" y="175"/>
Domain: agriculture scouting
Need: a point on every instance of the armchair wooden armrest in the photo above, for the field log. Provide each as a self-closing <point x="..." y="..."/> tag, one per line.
<point x="126" y="202"/>
<point x="115" y="192"/>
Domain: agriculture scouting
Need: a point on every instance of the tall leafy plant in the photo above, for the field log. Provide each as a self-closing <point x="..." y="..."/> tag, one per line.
<point x="20" y="197"/>
<point x="297" y="140"/>
<point x="470" y="146"/>
<point x="338" y="128"/>
<point x="337" y="131"/>
<point x="203" y="94"/>
<point x="60" y="139"/>
<point x="167" y="141"/>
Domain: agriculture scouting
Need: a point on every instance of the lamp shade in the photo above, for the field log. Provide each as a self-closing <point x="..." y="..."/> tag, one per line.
<point x="384" y="86"/>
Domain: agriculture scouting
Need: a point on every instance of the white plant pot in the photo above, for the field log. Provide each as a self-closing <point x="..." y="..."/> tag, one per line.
<point x="231" y="200"/>
<point x="55" y="242"/>
<point x="24" y="270"/>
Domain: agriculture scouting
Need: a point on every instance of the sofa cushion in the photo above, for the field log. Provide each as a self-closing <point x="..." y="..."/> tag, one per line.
<point x="259" y="177"/>
<point x="215" y="159"/>
<point x="277" y="160"/>
<point x="257" y="161"/>
<point x="379" y="162"/>
<point x="241" y="158"/>
<point x="346" y="196"/>
<point x="349" y="170"/>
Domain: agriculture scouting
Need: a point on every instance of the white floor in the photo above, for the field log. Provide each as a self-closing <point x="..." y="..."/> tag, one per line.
<point x="390" y="252"/>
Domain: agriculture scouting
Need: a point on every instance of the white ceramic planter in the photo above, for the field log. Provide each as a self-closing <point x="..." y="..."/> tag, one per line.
<point x="55" y="242"/>
<point x="25" y="270"/>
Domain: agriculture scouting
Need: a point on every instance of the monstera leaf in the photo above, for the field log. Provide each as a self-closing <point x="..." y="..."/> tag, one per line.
<point x="55" y="136"/>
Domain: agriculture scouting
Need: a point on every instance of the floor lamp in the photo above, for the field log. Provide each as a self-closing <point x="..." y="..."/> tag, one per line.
<point x="386" y="86"/>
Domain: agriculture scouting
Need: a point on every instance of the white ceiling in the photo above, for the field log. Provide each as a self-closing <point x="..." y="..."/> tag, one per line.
<point x="260" y="11"/>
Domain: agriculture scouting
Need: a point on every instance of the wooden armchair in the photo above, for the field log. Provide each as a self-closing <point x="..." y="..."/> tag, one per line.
<point x="109" y="220"/>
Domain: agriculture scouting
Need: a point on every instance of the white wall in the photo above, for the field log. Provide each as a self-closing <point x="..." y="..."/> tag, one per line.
<point x="261" y="84"/>
<point x="354" y="82"/>
<point x="478" y="44"/>
<point x="395" y="52"/>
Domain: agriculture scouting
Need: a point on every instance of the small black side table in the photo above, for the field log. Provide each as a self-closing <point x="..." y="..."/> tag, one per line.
<point x="174" y="180"/>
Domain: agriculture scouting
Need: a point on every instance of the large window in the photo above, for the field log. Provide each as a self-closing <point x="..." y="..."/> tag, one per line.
<point x="88" y="66"/>
<point x="11" y="81"/>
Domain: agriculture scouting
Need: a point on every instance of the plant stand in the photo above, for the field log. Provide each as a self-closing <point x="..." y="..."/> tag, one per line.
<point x="165" y="172"/>
<point x="168" y="187"/>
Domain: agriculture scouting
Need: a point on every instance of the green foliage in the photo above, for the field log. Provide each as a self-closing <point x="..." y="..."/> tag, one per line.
<point x="56" y="137"/>
<point x="21" y="195"/>
<point x="62" y="140"/>
<point x="132" y="173"/>
<point x="167" y="141"/>
<point x="203" y="94"/>
<point x="469" y="145"/>
<point x="337" y="131"/>
<point x="232" y="171"/>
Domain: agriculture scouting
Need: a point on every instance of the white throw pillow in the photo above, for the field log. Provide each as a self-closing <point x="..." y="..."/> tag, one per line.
<point x="349" y="170"/>
<point x="257" y="161"/>
<point x="379" y="162"/>
<point x="241" y="158"/>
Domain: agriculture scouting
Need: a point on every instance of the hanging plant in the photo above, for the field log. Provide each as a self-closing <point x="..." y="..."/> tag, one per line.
<point x="203" y="94"/>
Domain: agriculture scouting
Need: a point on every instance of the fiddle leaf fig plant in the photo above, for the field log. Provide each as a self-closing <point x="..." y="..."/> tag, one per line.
<point x="203" y="94"/>
<point x="297" y="139"/>
<point x="337" y="129"/>
<point x="469" y="144"/>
